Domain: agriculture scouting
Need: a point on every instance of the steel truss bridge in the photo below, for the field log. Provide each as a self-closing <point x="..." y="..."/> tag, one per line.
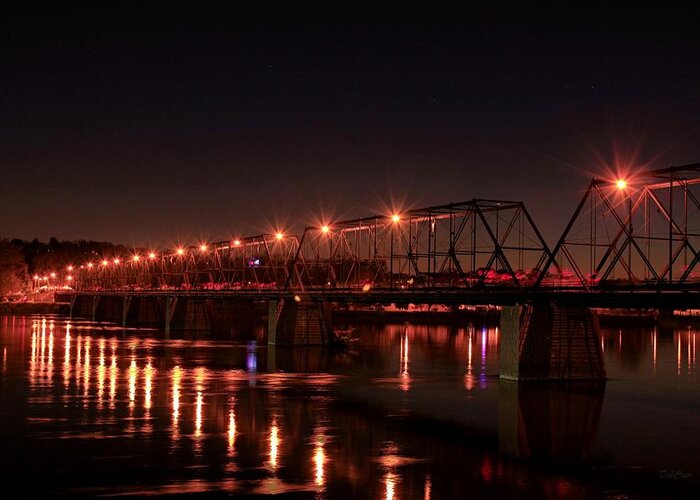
<point x="635" y="237"/>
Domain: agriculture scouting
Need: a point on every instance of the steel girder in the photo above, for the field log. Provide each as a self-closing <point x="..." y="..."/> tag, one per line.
<point x="468" y="244"/>
<point x="256" y="262"/>
<point x="644" y="231"/>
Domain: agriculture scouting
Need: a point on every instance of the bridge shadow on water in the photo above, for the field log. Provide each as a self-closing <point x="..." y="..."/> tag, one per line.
<point x="550" y="423"/>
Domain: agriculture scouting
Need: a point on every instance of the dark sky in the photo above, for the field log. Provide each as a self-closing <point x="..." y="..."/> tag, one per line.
<point x="152" y="125"/>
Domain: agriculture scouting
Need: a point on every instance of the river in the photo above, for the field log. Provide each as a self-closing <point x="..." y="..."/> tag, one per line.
<point x="409" y="411"/>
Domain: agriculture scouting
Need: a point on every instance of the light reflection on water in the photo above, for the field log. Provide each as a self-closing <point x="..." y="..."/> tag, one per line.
<point x="177" y="377"/>
<point x="232" y="429"/>
<point x="274" y="444"/>
<point x="212" y="416"/>
<point x="405" y="377"/>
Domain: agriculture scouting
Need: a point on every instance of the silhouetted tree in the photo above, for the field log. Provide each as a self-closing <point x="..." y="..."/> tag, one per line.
<point x="13" y="269"/>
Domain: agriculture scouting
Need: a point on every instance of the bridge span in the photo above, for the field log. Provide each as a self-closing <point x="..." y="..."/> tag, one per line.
<point x="631" y="242"/>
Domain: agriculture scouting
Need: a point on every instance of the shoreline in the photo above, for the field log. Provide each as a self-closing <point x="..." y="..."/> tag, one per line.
<point x="29" y="308"/>
<point x="609" y="318"/>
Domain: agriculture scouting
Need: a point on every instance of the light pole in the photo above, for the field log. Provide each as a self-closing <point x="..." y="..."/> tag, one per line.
<point x="623" y="186"/>
<point x="395" y="219"/>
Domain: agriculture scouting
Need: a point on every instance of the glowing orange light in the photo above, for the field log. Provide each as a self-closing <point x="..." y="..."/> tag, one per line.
<point x="237" y="243"/>
<point x="36" y="276"/>
<point x="180" y="251"/>
<point x="70" y="268"/>
<point x="319" y="459"/>
<point x="231" y="428"/>
<point x="198" y="414"/>
<point x="53" y="275"/>
<point x="105" y="262"/>
<point x="90" y="264"/>
<point x="621" y="184"/>
<point x="279" y="236"/>
<point x="395" y="218"/>
<point x="325" y="229"/>
<point x="152" y="255"/>
<point x="203" y="247"/>
<point x="274" y="445"/>
<point x="69" y="278"/>
<point x="136" y="258"/>
<point x="116" y="261"/>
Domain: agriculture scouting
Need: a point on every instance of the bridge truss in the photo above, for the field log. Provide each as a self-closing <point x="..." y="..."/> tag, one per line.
<point x="468" y="244"/>
<point x="643" y="231"/>
<point x="638" y="233"/>
<point x="255" y="263"/>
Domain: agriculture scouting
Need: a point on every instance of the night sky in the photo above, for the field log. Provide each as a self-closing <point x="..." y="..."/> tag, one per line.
<point x="157" y="125"/>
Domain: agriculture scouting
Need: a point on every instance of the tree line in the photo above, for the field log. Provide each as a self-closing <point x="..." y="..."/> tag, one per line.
<point x="20" y="260"/>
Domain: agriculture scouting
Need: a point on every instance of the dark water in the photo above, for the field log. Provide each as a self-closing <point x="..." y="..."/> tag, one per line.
<point x="411" y="412"/>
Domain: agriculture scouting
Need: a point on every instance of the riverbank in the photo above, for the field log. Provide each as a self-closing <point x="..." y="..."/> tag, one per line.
<point x="29" y="308"/>
<point x="488" y="316"/>
<point x="379" y="316"/>
<point x="491" y="316"/>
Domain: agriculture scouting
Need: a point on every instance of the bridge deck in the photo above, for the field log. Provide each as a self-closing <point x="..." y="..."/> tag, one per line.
<point x="677" y="297"/>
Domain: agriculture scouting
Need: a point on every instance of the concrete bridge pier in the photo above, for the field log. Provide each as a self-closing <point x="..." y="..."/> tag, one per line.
<point x="143" y="311"/>
<point x="83" y="306"/>
<point x="95" y="304"/>
<point x="546" y="341"/>
<point x="274" y="309"/>
<point x="126" y="303"/>
<point x="169" y="304"/>
<point x="109" y="308"/>
<point x="72" y="306"/>
<point x="299" y="322"/>
<point x="666" y="321"/>
<point x="229" y="316"/>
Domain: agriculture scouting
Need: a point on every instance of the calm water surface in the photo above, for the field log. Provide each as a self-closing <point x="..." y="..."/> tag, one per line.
<point x="410" y="412"/>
